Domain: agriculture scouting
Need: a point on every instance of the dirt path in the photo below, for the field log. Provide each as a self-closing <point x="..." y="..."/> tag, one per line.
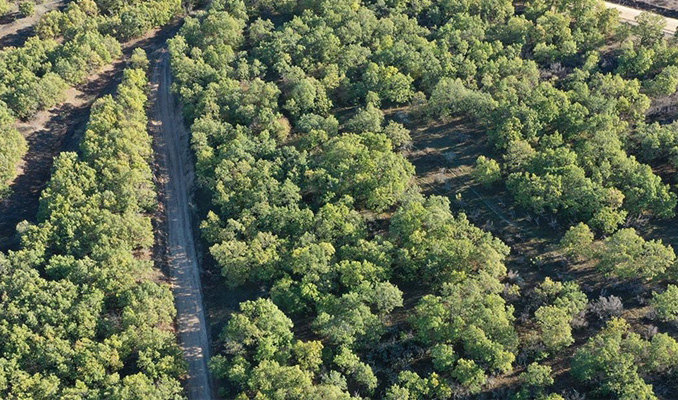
<point x="60" y="129"/>
<point x="173" y="152"/>
<point x="14" y="30"/>
<point x="628" y="14"/>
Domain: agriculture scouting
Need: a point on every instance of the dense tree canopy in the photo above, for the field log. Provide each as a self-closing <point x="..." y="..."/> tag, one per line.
<point x="81" y="316"/>
<point x="309" y="196"/>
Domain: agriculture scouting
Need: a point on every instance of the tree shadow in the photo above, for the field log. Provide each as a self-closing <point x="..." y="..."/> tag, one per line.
<point x="17" y="38"/>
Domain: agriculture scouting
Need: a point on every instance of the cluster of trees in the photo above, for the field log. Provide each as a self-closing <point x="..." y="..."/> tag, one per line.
<point x="308" y="195"/>
<point x="292" y="195"/>
<point x="121" y="19"/>
<point x="69" y="46"/>
<point x="616" y="362"/>
<point x="563" y="117"/>
<point x="83" y="316"/>
<point x="623" y="255"/>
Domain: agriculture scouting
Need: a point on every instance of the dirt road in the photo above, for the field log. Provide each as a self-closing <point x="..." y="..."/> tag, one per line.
<point x="14" y="30"/>
<point x="628" y="14"/>
<point x="173" y="152"/>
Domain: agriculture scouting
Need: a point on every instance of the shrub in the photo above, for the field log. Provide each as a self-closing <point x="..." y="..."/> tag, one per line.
<point x="665" y="304"/>
<point x="26" y="8"/>
<point x="607" y="307"/>
<point x="487" y="171"/>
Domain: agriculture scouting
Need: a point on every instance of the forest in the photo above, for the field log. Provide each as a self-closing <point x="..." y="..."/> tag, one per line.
<point x="82" y="315"/>
<point x="372" y="288"/>
<point x="394" y="199"/>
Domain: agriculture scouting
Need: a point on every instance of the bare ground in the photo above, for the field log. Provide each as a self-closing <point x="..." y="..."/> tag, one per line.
<point x="14" y="30"/>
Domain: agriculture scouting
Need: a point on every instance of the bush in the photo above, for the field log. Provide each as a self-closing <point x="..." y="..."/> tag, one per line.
<point x="537" y="376"/>
<point x="4" y="7"/>
<point x="487" y="171"/>
<point x="665" y="304"/>
<point x="26" y="8"/>
<point x="607" y="307"/>
<point x="577" y="240"/>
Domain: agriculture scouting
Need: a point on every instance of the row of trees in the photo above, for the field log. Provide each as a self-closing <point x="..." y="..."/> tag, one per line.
<point x="69" y="46"/>
<point x="83" y="316"/>
<point x="12" y="147"/>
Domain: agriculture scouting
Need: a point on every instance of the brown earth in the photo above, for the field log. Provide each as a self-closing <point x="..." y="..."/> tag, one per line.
<point x="14" y="30"/>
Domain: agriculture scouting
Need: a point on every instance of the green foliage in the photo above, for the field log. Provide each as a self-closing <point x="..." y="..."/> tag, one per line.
<point x="435" y="246"/>
<point x="389" y="83"/>
<point x="4" y="7"/>
<point x="359" y="371"/>
<point x="139" y="60"/>
<point x="607" y="219"/>
<point x="487" y="171"/>
<point x="577" y="240"/>
<point x="561" y="302"/>
<point x="261" y="356"/>
<point x="12" y="148"/>
<point x="554" y="324"/>
<point x="665" y="83"/>
<point x="469" y="375"/>
<point x="613" y="361"/>
<point x="473" y="315"/>
<point x="451" y="98"/>
<point x="628" y="256"/>
<point x="368" y="120"/>
<point x="26" y="8"/>
<point x="537" y="376"/>
<point x="84" y="312"/>
<point x="666" y="304"/>
<point x="364" y="167"/>
<point x="35" y="76"/>
<point x="649" y="27"/>
<point x="305" y="195"/>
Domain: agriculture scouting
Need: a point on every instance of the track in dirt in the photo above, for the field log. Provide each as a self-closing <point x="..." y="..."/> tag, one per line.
<point x="60" y="129"/>
<point x="176" y="177"/>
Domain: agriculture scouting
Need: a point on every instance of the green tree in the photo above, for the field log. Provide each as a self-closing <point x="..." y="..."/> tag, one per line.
<point x="487" y="171"/>
<point x="628" y="256"/>
<point x="26" y="8"/>
<point x="577" y="240"/>
<point x="665" y="83"/>
<point x="537" y="376"/>
<point x="364" y="167"/>
<point x="609" y="362"/>
<point x="666" y="304"/>
<point x="554" y="323"/>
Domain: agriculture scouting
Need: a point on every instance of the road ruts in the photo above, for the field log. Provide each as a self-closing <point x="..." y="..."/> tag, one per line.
<point x="175" y="159"/>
